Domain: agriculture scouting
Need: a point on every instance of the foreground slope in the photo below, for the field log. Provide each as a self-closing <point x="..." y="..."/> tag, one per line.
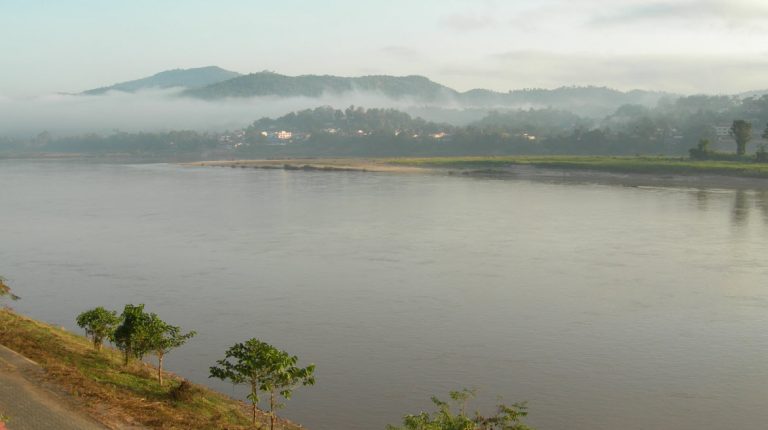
<point x="116" y="395"/>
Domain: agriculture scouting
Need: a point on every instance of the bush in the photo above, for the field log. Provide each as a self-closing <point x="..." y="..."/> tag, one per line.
<point x="507" y="417"/>
<point x="183" y="392"/>
<point x="761" y="156"/>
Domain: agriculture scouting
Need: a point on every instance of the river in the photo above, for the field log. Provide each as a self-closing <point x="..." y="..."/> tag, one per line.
<point x="603" y="306"/>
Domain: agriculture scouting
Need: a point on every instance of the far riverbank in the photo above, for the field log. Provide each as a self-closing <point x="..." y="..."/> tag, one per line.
<point x="629" y="171"/>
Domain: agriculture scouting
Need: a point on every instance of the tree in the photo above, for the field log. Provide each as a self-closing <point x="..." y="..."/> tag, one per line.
<point x="741" y="131"/>
<point x="263" y="368"/>
<point x="507" y="417"/>
<point x="765" y="132"/>
<point x="99" y="324"/>
<point x="701" y="151"/>
<point x="129" y="336"/>
<point x="160" y="338"/>
<point x="5" y="290"/>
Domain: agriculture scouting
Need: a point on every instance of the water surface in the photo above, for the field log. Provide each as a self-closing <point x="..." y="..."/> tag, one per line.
<point x="605" y="307"/>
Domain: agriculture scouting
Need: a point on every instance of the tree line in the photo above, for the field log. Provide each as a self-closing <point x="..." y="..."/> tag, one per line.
<point x="671" y="127"/>
<point x="741" y="132"/>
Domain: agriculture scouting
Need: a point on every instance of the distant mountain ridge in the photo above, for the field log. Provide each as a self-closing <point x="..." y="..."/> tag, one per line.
<point x="214" y="83"/>
<point x="183" y="78"/>
<point x="418" y="89"/>
<point x="274" y="84"/>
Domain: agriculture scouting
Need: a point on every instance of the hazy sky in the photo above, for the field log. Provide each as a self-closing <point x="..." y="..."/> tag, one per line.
<point x="688" y="46"/>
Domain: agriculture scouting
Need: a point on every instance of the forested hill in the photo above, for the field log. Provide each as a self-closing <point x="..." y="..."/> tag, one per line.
<point x="589" y="101"/>
<point x="184" y="78"/>
<point x="274" y="84"/>
<point x="575" y="99"/>
<point x="214" y="83"/>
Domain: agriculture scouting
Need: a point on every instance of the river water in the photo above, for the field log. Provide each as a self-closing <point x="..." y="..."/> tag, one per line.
<point x="602" y="306"/>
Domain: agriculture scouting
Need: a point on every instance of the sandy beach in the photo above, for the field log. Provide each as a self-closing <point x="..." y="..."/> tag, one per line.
<point x="511" y="171"/>
<point x="324" y="164"/>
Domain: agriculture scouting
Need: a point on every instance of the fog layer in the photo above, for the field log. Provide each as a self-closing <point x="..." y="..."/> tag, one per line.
<point x="160" y="110"/>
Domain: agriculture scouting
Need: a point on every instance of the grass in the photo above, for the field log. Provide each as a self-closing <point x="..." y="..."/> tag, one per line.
<point x="649" y="165"/>
<point x="128" y="394"/>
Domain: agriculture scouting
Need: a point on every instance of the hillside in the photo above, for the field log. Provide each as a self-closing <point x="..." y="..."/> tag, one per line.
<point x="186" y="78"/>
<point x="121" y="396"/>
<point x="214" y="83"/>
<point x="273" y="84"/>
<point x="589" y="101"/>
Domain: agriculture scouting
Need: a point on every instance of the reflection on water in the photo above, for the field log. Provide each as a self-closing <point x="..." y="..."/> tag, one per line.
<point x="761" y="201"/>
<point x="702" y="199"/>
<point x="595" y="303"/>
<point x="741" y="206"/>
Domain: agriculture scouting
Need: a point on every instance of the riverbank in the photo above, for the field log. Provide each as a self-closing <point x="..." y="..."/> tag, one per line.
<point x="317" y="164"/>
<point x="117" y="396"/>
<point x="640" y="165"/>
<point x="630" y="171"/>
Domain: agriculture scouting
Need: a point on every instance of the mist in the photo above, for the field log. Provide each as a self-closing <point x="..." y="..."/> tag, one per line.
<point x="164" y="110"/>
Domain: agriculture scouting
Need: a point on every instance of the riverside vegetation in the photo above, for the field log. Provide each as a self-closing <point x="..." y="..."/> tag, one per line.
<point x="118" y="381"/>
<point x="671" y="128"/>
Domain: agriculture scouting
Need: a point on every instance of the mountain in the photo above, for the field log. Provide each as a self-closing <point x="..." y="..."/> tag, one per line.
<point x="214" y="83"/>
<point x="586" y="101"/>
<point x="273" y="84"/>
<point x="754" y="93"/>
<point x="590" y="101"/>
<point x="186" y="78"/>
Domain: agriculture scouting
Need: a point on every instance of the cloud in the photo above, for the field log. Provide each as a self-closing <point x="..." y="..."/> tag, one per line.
<point x="401" y="52"/>
<point x="468" y="22"/>
<point x="731" y="12"/>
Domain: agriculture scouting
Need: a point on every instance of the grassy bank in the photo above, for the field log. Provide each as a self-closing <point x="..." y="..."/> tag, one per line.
<point x="117" y="394"/>
<point x="647" y="165"/>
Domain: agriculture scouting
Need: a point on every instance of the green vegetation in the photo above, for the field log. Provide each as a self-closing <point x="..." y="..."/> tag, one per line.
<point x="268" y="83"/>
<point x="351" y="121"/>
<point x="161" y="338"/>
<point x="115" y="393"/>
<point x="742" y="132"/>
<point x="140" y="333"/>
<point x="186" y="78"/>
<point x="671" y="127"/>
<point x="5" y="290"/>
<point x="651" y="165"/>
<point x="129" y="335"/>
<point x="99" y="324"/>
<point x="507" y="417"/>
<point x="263" y="368"/>
<point x="117" y="390"/>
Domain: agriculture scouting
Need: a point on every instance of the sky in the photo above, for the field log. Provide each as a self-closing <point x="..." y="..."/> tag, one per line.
<point x="684" y="46"/>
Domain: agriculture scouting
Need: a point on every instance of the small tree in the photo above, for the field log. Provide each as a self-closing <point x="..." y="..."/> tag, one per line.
<point x="129" y="336"/>
<point x="761" y="156"/>
<point x="161" y="338"/>
<point x="701" y="151"/>
<point x="263" y="368"/>
<point x="742" y="132"/>
<point x="99" y="324"/>
<point x="5" y="290"/>
<point x="507" y="417"/>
